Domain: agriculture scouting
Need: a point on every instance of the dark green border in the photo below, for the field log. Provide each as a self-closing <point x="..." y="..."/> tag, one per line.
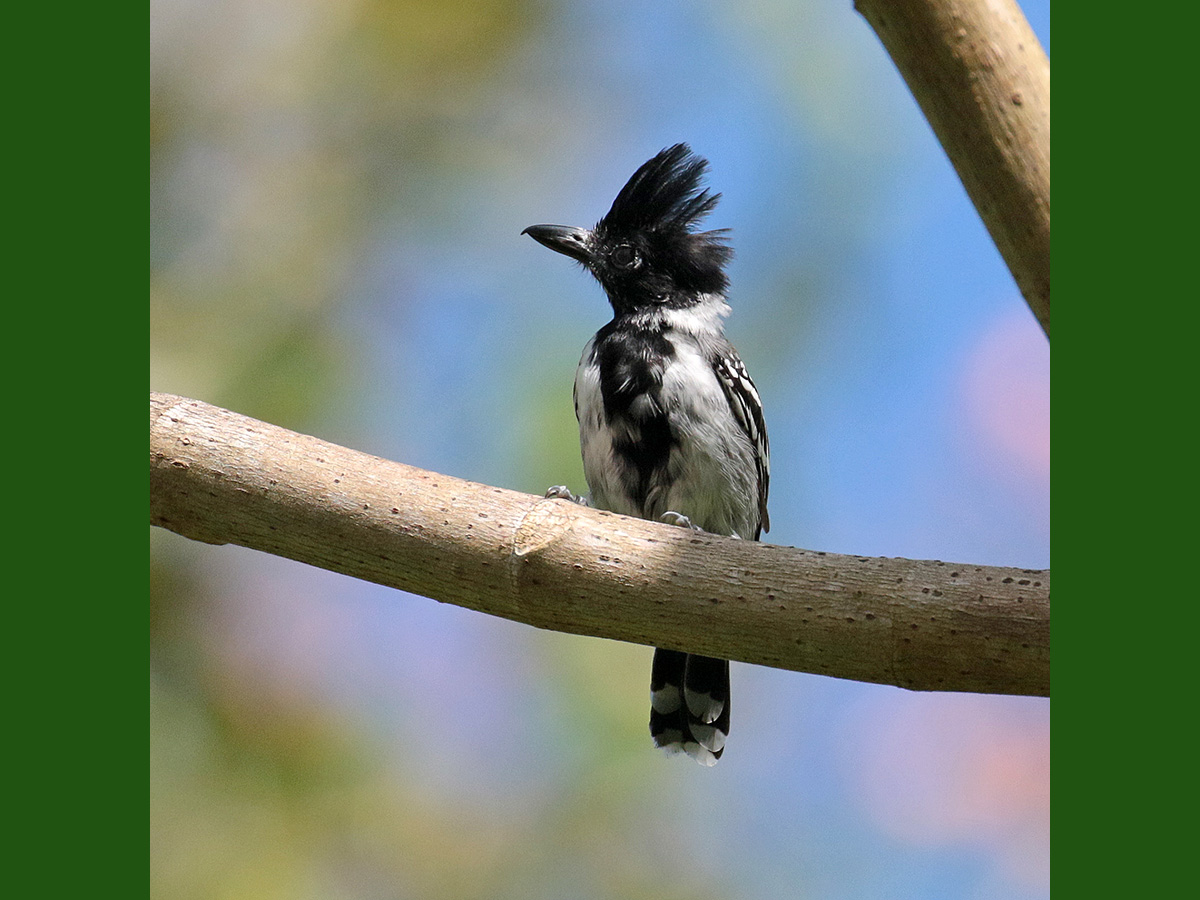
<point x="1124" y="456"/>
<point x="76" y="367"/>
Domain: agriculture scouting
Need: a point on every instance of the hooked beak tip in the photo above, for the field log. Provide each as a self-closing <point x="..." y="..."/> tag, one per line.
<point x="565" y="239"/>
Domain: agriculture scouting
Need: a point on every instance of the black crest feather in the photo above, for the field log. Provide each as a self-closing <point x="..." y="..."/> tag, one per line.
<point x="665" y="193"/>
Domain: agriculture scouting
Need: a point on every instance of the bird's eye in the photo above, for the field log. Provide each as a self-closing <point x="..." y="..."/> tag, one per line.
<point x="624" y="257"/>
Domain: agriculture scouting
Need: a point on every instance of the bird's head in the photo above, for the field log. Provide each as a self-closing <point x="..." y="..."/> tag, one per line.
<point x="645" y="252"/>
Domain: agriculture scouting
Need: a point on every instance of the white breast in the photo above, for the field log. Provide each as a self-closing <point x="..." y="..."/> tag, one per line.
<point x="600" y="465"/>
<point x="710" y="475"/>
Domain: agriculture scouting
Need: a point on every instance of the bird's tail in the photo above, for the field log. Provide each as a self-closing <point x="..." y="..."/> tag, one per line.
<point x="689" y="704"/>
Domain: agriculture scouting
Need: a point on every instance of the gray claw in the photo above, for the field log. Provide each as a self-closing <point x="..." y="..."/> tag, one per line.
<point x="561" y="492"/>
<point x="673" y="518"/>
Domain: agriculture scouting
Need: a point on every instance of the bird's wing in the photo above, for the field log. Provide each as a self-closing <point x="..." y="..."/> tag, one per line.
<point x="747" y="409"/>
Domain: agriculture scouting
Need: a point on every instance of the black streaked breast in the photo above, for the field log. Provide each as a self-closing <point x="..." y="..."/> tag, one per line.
<point x="631" y="363"/>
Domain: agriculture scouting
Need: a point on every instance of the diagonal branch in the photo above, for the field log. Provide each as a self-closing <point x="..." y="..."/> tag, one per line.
<point x="221" y="477"/>
<point x="983" y="81"/>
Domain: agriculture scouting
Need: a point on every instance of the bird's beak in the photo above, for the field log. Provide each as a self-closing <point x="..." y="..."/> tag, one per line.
<point x="565" y="239"/>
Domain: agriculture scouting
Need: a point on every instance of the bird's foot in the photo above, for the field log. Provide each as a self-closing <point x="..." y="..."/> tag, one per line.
<point x="673" y="518"/>
<point x="561" y="492"/>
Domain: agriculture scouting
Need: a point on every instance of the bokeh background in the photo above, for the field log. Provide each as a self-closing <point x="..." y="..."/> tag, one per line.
<point x="338" y="190"/>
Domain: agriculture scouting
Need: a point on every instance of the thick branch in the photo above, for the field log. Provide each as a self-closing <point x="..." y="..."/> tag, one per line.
<point x="220" y="477"/>
<point x="983" y="81"/>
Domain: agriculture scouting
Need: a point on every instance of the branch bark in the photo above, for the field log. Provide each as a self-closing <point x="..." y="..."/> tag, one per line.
<point x="220" y="477"/>
<point x="982" y="80"/>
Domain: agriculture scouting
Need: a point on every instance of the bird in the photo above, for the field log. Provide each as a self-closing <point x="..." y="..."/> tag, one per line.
<point x="671" y="425"/>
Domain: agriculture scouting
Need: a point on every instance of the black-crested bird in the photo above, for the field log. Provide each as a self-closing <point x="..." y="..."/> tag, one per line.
<point x="670" y="424"/>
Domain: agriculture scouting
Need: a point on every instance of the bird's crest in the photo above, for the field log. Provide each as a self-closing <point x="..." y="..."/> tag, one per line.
<point x="665" y="193"/>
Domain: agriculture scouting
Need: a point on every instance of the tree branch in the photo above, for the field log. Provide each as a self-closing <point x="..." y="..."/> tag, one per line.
<point x="220" y="477"/>
<point x="983" y="81"/>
